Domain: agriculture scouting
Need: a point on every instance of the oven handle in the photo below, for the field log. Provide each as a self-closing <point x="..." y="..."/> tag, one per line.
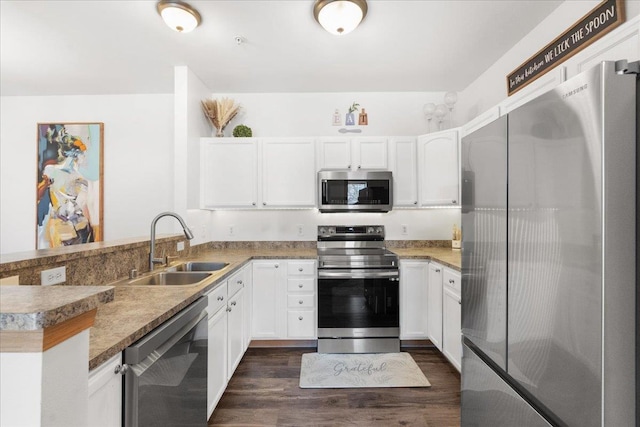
<point x="358" y="274"/>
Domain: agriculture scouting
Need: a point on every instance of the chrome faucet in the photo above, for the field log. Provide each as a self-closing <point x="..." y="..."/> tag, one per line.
<point x="188" y="234"/>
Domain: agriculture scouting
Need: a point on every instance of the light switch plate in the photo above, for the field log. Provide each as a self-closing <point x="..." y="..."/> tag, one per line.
<point x="53" y="276"/>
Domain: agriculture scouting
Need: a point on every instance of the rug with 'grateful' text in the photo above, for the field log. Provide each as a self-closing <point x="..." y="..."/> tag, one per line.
<point x="324" y="370"/>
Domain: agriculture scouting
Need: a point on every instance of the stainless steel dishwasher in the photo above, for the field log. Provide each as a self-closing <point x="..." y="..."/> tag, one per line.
<point x="166" y="372"/>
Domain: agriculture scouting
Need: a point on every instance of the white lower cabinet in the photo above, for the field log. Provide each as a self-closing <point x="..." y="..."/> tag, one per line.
<point x="434" y="304"/>
<point x="235" y="337"/>
<point x="268" y="307"/>
<point x="217" y="358"/>
<point x="284" y="299"/>
<point x="105" y="394"/>
<point x="451" y="318"/>
<point x="414" y="276"/>
<point x="227" y="333"/>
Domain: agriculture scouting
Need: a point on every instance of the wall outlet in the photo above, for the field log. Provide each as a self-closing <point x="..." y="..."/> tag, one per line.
<point x="232" y="230"/>
<point x="180" y="246"/>
<point x="53" y="276"/>
<point x="300" y="230"/>
<point x="404" y="229"/>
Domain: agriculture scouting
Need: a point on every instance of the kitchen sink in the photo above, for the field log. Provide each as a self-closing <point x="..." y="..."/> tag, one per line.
<point x="171" y="278"/>
<point x="200" y="266"/>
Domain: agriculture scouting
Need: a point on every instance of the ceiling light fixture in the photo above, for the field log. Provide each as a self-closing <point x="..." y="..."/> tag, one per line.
<point x="339" y="17"/>
<point x="179" y="16"/>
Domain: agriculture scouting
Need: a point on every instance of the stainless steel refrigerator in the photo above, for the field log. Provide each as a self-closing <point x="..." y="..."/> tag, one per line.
<point x="549" y="304"/>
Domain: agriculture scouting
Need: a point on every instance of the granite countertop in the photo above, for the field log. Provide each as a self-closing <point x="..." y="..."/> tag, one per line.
<point x="28" y="308"/>
<point x="136" y="311"/>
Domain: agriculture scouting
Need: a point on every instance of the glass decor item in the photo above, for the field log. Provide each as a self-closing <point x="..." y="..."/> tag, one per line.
<point x="428" y="110"/>
<point x="441" y="111"/>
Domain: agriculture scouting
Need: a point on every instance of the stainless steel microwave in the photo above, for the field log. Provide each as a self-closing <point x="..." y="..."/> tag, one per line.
<point x="355" y="191"/>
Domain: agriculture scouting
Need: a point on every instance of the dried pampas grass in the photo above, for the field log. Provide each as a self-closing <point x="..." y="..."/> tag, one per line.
<point x="220" y="112"/>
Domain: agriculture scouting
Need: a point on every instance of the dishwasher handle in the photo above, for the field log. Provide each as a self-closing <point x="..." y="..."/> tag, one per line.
<point x="138" y="351"/>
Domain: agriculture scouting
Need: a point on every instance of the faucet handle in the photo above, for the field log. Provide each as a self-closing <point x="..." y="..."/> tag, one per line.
<point x="169" y="258"/>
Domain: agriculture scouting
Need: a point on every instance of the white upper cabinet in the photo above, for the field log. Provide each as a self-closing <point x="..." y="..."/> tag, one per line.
<point x="439" y="169"/>
<point x="402" y="162"/>
<point x="288" y="172"/>
<point x="352" y="153"/>
<point x="229" y="171"/>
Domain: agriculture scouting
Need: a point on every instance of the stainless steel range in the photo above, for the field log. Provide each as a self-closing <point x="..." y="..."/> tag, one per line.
<point x="358" y="291"/>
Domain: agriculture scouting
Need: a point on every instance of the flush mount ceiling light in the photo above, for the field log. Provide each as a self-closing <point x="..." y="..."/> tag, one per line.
<point x="179" y="16"/>
<point x="339" y="17"/>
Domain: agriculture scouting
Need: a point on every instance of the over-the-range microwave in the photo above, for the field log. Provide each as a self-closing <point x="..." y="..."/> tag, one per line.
<point x="355" y="191"/>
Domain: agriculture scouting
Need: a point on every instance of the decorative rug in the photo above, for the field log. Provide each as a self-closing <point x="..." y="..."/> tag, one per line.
<point x="360" y="370"/>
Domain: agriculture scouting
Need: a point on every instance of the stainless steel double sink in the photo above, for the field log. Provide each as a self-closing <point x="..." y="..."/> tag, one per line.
<point x="188" y="273"/>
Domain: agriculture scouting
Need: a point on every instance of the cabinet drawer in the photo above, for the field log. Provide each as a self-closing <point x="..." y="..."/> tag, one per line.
<point x="237" y="281"/>
<point x="217" y="299"/>
<point x="303" y="284"/>
<point x="301" y="268"/>
<point x="451" y="279"/>
<point x="301" y="301"/>
<point x="301" y="323"/>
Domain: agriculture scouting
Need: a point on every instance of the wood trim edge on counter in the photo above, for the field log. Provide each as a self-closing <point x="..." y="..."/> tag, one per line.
<point x="12" y="341"/>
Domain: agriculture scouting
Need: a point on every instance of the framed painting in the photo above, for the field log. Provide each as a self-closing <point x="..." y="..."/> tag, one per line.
<point x="69" y="205"/>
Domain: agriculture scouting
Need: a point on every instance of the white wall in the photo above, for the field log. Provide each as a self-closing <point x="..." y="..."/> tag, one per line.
<point x="310" y="114"/>
<point x="138" y="172"/>
<point x="490" y="88"/>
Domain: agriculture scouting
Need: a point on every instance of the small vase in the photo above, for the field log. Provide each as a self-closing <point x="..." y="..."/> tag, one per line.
<point x="349" y="120"/>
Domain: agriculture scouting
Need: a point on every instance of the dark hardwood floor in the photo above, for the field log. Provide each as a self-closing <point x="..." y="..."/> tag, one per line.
<point x="264" y="392"/>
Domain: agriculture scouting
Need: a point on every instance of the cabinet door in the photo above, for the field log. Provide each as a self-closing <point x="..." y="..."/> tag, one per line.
<point x="451" y="330"/>
<point x="369" y="153"/>
<point x="235" y="335"/>
<point x="413" y="299"/>
<point x="268" y="312"/>
<point x="248" y="303"/>
<point x="217" y="359"/>
<point x="402" y="161"/>
<point x="334" y="153"/>
<point x="434" y="305"/>
<point x="229" y="173"/>
<point x="288" y="173"/>
<point x="301" y="324"/>
<point x="439" y="169"/>
<point x="105" y="394"/>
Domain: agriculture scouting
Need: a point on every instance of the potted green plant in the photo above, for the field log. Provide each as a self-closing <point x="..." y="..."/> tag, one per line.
<point x="350" y="119"/>
<point x="242" y="131"/>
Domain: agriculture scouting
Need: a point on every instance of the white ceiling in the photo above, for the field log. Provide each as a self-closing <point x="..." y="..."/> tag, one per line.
<point x="122" y="46"/>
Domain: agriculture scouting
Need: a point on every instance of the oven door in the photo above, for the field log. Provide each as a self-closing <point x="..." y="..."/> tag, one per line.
<point x="358" y="303"/>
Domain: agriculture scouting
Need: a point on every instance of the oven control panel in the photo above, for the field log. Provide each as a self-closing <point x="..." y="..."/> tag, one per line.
<point x="351" y="232"/>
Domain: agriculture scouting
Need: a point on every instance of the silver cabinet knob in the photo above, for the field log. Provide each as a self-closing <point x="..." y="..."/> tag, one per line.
<point x="349" y="167"/>
<point x="220" y="298"/>
<point x="121" y="369"/>
<point x="359" y="166"/>
<point x="460" y="301"/>
<point x="454" y="201"/>
<point x="300" y="269"/>
<point x="264" y="203"/>
<point x="276" y="265"/>
<point x="300" y="302"/>
<point x="300" y="285"/>
<point x="452" y="281"/>
<point x="229" y="309"/>
<point x="300" y="317"/>
<point x="239" y="282"/>
<point x="415" y="203"/>
<point x="254" y="203"/>
<point x="437" y="270"/>
<point x="233" y="303"/>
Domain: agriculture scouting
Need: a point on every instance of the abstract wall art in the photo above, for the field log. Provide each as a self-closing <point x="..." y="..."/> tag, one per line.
<point x="69" y="205"/>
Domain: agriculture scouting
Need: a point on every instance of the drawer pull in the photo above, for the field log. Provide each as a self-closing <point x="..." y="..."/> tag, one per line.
<point x="233" y="303"/>
<point x="437" y="270"/>
<point x="300" y="317"/>
<point x="300" y="302"/>
<point x="300" y="285"/>
<point x="221" y="298"/>
<point x="452" y="281"/>
<point x="229" y="309"/>
<point x="239" y="282"/>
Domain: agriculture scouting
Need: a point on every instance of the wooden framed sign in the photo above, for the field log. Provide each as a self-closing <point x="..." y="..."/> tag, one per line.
<point x="603" y="18"/>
